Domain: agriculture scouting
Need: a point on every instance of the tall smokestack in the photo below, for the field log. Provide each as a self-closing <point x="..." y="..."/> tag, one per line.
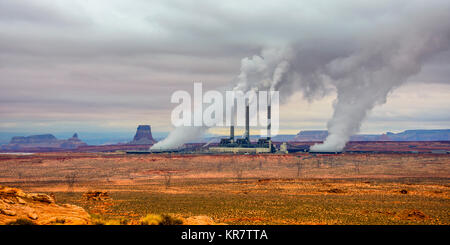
<point x="232" y="132"/>
<point x="247" y="123"/>
<point x="269" y="123"/>
<point x="232" y="124"/>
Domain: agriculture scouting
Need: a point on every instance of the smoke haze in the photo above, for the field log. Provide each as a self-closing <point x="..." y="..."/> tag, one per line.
<point x="361" y="50"/>
<point x="179" y="136"/>
<point x="363" y="65"/>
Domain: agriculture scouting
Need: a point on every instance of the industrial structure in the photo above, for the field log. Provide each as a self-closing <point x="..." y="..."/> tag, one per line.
<point x="244" y="145"/>
<point x="232" y="145"/>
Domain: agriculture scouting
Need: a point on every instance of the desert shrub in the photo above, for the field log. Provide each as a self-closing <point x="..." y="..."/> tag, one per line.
<point x="169" y="220"/>
<point x="123" y="221"/>
<point x="98" y="220"/>
<point x="58" y="221"/>
<point x="151" y="219"/>
<point x="112" y="222"/>
<point x="164" y="219"/>
<point x="167" y="178"/>
<point x="21" y="221"/>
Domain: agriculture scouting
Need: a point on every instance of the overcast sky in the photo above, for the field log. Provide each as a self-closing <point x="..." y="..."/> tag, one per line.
<point x="111" y="65"/>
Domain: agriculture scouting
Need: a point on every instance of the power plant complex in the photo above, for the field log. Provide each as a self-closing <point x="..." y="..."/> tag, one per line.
<point x="244" y="145"/>
<point x="236" y="145"/>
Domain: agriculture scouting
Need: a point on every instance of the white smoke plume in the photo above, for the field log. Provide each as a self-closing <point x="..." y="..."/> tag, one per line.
<point x="178" y="137"/>
<point x="264" y="72"/>
<point x="363" y="74"/>
<point x="363" y="60"/>
<point x="260" y="76"/>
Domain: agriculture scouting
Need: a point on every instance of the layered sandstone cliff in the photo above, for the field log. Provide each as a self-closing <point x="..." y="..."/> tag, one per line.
<point x="18" y="207"/>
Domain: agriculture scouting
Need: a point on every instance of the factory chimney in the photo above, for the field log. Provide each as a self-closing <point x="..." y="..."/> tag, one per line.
<point x="269" y="123"/>
<point x="232" y="133"/>
<point x="232" y="125"/>
<point x="247" y="123"/>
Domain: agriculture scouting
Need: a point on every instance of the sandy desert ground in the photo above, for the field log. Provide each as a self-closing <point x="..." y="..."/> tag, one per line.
<point x="244" y="189"/>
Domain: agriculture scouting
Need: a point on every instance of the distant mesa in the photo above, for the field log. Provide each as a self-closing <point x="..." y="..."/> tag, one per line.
<point x="311" y="135"/>
<point x="49" y="143"/>
<point x="34" y="139"/>
<point x="408" y="135"/>
<point x="143" y="136"/>
<point x="43" y="141"/>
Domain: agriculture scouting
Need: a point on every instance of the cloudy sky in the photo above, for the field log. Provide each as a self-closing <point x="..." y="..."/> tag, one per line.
<point x="111" y="65"/>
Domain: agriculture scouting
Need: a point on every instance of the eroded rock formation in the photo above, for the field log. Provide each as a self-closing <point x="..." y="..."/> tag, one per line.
<point x="41" y="209"/>
<point x="143" y="136"/>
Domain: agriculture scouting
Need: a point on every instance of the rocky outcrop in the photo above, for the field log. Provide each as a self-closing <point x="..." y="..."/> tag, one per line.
<point x="17" y="206"/>
<point x="96" y="195"/>
<point x="73" y="143"/>
<point x="44" y="141"/>
<point x="143" y="136"/>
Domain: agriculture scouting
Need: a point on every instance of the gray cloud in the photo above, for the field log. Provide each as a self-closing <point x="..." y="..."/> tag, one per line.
<point x="92" y="58"/>
<point x="40" y="13"/>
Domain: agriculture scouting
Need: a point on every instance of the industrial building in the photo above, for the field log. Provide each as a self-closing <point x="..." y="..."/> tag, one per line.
<point x="244" y="145"/>
<point x="235" y="146"/>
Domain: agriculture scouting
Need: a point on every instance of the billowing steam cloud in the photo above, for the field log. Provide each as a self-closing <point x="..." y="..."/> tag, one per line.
<point x="362" y="64"/>
<point x="363" y="74"/>
<point x="179" y="136"/>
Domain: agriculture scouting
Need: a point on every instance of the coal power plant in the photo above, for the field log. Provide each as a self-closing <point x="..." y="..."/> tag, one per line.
<point x="232" y="144"/>
<point x="235" y="145"/>
<point x="244" y="145"/>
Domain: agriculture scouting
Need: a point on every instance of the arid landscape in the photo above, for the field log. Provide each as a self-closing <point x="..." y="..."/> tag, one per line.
<point x="301" y="188"/>
<point x="255" y="121"/>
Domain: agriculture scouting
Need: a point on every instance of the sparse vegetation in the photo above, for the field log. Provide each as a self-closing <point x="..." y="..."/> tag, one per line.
<point x="266" y="192"/>
<point x="59" y="221"/>
<point x="167" y="177"/>
<point x="21" y="222"/>
<point x="70" y="180"/>
<point x="99" y="220"/>
<point x="299" y="167"/>
<point x="156" y="219"/>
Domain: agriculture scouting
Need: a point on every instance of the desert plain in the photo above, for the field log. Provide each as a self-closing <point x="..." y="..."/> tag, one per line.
<point x="266" y="189"/>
